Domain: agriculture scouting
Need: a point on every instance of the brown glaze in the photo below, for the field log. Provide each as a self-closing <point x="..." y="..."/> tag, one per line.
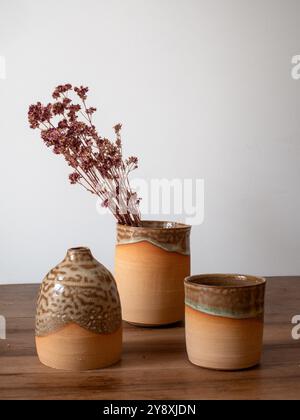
<point x="224" y="320"/>
<point x="232" y="295"/>
<point x="79" y="290"/>
<point x="170" y="236"/>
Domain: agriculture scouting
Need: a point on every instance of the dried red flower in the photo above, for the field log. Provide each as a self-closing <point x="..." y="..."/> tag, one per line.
<point x="82" y="92"/>
<point x="61" y="89"/>
<point x="98" y="162"/>
<point x="91" y="110"/>
<point x="74" y="177"/>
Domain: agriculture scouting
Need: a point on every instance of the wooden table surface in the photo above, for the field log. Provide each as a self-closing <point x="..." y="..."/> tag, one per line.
<point x="154" y="363"/>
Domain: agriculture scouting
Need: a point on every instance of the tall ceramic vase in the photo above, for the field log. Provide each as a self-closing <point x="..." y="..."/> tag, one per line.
<point x="78" y="321"/>
<point x="151" y="263"/>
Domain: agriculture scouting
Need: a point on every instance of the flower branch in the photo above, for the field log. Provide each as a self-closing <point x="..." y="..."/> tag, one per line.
<point x="97" y="162"/>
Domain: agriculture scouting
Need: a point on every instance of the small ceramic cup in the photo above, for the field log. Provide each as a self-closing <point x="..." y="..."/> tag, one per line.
<point x="224" y="317"/>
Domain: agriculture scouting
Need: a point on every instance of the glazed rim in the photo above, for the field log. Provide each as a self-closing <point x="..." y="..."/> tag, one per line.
<point x="157" y="224"/>
<point x="230" y="281"/>
<point x="79" y="249"/>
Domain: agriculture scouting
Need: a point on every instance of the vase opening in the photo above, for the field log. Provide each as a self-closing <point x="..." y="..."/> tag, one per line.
<point x="79" y="249"/>
<point x="79" y="252"/>
<point x="157" y="224"/>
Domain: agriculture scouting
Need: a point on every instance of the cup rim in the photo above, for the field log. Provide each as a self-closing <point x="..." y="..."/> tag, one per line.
<point x="158" y="225"/>
<point x="209" y="279"/>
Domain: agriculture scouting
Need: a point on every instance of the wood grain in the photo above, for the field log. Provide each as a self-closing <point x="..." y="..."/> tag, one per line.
<point x="154" y="363"/>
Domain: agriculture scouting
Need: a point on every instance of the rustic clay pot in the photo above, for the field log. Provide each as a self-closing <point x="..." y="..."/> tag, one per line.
<point x="150" y="266"/>
<point x="224" y="320"/>
<point x="78" y="321"/>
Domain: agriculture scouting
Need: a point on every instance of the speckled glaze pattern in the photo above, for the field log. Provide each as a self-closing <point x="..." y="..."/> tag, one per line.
<point x="79" y="290"/>
<point x="232" y="296"/>
<point x="170" y="236"/>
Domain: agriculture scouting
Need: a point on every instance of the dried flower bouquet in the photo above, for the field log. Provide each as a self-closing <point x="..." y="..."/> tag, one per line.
<point x="98" y="163"/>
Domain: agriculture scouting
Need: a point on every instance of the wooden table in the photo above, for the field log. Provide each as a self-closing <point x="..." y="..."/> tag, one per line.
<point x="154" y="364"/>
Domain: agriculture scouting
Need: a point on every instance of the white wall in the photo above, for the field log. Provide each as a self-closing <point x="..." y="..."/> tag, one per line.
<point x="204" y="90"/>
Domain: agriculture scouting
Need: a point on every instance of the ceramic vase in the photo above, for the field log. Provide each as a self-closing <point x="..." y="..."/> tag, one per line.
<point x="78" y="320"/>
<point x="224" y="320"/>
<point x="151" y="263"/>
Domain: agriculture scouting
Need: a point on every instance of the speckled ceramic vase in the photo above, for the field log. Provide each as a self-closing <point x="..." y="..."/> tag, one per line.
<point x="78" y="320"/>
<point x="150" y="266"/>
<point x="224" y="320"/>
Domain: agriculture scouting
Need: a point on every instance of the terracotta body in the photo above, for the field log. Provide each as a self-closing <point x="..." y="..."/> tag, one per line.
<point x="78" y="321"/>
<point x="150" y="266"/>
<point x="224" y="320"/>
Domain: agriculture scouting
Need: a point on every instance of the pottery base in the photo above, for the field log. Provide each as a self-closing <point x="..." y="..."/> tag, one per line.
<point x="232" y="369"/>
<point x="221" y="343"/>
<point x="138" y="324"/>
<point x="74" y="348"/>
<point x="150" y="283"/>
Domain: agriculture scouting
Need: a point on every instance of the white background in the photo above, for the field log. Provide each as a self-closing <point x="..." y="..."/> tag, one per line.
<point x="204" y="90"/>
